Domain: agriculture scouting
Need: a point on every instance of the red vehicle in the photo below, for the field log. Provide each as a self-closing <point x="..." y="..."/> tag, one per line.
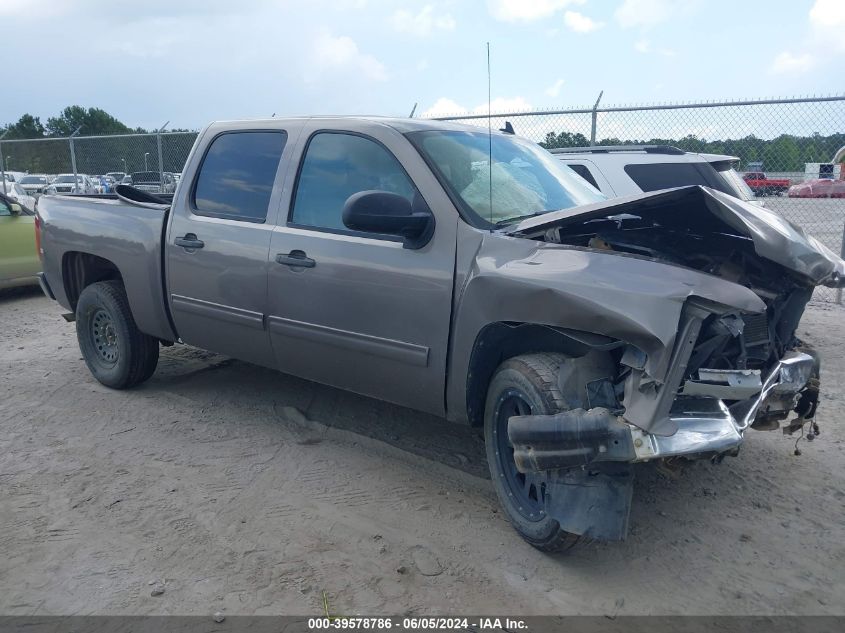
<point x="819" y="188"/>
<point x="763" y="186"/>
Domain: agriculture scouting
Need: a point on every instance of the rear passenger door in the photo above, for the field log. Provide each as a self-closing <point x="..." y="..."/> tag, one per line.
<point x="362" y="313"/>
<point x="218" y="242"/>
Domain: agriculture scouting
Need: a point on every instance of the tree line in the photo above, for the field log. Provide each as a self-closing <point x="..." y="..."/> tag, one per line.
<point x="786" y="152"/>
<point x="94" y="156"/>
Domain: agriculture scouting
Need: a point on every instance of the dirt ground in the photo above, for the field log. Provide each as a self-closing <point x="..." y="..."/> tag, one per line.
<point x="236" y="489"/>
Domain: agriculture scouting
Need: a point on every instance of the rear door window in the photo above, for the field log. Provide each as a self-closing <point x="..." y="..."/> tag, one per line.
<point x="237" y="174"/>
<point x="656" y="176"/>
<point x="584" y="172"/>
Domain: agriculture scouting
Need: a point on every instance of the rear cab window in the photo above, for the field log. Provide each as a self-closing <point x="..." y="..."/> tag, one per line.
<point x="235" y="180"/>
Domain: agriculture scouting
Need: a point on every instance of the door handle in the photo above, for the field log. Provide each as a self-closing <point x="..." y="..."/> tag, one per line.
<point x="295" y="259"/>
<point x="189" y="241"/>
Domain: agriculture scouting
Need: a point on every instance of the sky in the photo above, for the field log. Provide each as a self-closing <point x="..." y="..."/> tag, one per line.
<point x="193" y="61"/>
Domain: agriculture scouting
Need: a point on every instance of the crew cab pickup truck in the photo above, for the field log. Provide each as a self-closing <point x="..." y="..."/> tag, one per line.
<point x="761" y="185"/>
<point x="468" y="275"/>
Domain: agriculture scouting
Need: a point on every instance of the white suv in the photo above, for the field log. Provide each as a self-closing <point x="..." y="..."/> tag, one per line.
<point x="621" y="170"/>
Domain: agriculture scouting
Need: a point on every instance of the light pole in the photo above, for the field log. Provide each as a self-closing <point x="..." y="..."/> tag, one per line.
<point x="146" y="168"/>
<point x="124" y="166"/>
<point x="8" y="166"/>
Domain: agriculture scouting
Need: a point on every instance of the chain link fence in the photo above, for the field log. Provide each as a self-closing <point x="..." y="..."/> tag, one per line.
<point x="98" y="155"/>
<point x="784" y="138"/>
<point x="787" y="139"/>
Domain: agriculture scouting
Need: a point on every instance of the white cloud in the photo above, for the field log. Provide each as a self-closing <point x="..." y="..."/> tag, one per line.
<point x="527" y="10"/>
<point x="827" y="19"/>
<point x="647" y="13"/>
<point x="580" y="23"/>
<point x="787" y="63"/>
<point x="342" y="53"/>
<point x="644" y="46"/>
<point x="504" y="104"/>
<point x="555" y="88"/>
<point x="423" y="23"/>
<point x="828" y="13"/>
<point x="443" y="107"/>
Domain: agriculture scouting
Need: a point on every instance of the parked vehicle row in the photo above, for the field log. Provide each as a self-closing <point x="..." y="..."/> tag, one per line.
<point x="38" y="184"/>
<point x="465" y="274"/>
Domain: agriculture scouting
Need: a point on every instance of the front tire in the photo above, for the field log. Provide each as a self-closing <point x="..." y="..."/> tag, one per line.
<point x="117" y="353"/>
<point x="524" y="385"/>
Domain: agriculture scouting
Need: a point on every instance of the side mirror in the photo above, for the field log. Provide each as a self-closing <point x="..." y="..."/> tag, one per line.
<point x="15" y="208"/>
<point x="390" y="214"/>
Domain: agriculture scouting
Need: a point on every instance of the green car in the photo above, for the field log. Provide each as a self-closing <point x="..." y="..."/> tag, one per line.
<point x="19" y="262"/>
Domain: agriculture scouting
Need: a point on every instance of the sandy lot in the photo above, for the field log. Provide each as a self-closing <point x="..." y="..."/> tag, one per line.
<point x="237" y="489"/>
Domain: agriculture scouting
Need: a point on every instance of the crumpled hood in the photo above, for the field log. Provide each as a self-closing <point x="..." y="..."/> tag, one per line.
<point x="774" y="237"/>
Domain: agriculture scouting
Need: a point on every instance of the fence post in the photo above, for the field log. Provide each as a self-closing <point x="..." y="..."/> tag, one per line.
<point x="73" y="155"/>
<point x="73" y="159"/>
<point x="3" y="163"/>
<point x="842" y="255"/>
<point x="160" y="165"/>
<point x="595" y="120"/>
<point x="160" y="161"/>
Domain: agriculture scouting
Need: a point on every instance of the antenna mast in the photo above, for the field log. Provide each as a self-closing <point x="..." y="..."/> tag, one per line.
<point x="489" y="138"/>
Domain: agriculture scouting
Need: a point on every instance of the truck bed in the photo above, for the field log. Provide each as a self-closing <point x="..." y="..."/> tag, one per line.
<point x="128" y="236"/>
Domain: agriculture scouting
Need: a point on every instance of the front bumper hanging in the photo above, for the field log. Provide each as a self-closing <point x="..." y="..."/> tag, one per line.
<point x="705" y="425"/>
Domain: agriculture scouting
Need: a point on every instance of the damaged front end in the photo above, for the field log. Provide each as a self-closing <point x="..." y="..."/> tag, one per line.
<point x="728" y="367"/>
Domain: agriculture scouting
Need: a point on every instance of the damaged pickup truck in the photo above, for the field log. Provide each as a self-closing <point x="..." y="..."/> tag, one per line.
<point x="468" y="275"/>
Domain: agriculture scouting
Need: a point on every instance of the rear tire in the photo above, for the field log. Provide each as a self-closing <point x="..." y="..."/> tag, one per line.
<point x="117" y="353"/>
<point x="524" y="385"/>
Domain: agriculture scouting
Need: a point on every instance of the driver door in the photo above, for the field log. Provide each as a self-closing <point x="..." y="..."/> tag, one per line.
<point x="361" y="312"/>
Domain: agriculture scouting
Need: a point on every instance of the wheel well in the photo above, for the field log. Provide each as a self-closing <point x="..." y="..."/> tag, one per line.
<point x="80" y="270"/>
<point x="500" y="341"/>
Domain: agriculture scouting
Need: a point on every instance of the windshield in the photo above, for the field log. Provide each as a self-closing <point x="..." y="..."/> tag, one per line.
<point x="736" y="182"/>
<point x="526" y="180"/>
<point x="33" y="180"/>
<point x="68" y="178"/>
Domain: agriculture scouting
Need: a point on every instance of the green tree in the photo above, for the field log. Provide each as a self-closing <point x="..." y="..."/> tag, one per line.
<point x="564" y="139"/>
<point x="28" y="126"/>
<point x="92" y="121"/>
